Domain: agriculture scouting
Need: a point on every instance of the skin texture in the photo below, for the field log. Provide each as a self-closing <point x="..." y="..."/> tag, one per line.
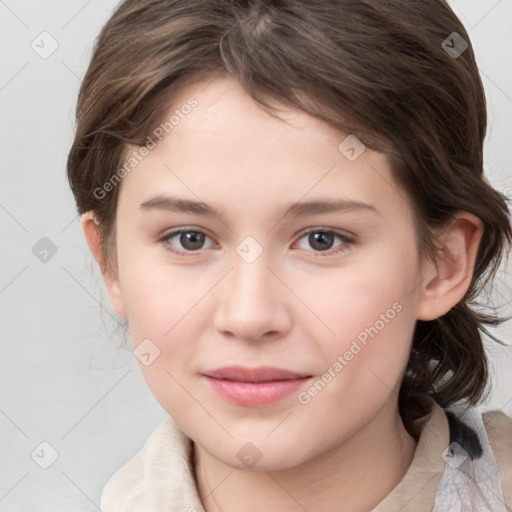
<point x="294" y="307"/>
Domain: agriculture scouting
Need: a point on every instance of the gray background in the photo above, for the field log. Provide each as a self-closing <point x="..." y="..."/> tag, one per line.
<point x="65" y="378"/>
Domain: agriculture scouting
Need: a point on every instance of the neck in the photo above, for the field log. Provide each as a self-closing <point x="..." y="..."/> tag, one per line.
<point x="360" y="473"/>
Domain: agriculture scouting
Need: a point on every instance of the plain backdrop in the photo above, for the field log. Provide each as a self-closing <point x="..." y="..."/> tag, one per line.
<point x="71" y="398"/>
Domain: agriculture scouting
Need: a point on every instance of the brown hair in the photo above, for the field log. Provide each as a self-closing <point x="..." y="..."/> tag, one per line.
<point x="380" y="70"/>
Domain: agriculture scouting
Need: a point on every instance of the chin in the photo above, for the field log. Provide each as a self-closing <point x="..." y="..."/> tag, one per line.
<point x="260" y="455"/>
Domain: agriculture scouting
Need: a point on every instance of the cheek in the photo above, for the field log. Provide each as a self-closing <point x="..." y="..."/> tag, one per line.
<point x="169" y="321"/>
<point x="168" y="312"/>
<point x="362" y="365"/>
<point x="368" y="292"/>
<point x="158" y="296"/>
<point x="370" y="311"/>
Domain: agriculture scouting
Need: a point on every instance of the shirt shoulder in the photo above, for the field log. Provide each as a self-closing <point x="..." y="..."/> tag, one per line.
<point x="476" y="475"/>
<point x="159" y="477"/>
<point x="498" y="427"/>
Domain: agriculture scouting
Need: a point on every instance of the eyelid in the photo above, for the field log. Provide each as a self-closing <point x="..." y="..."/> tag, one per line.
<point x="166" y="237"/>
<point x="321" y="229"/>
<point x="348" y="239"/>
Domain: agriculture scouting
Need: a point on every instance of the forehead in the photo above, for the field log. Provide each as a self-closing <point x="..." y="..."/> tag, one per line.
<point x="224" y="107"/>
<point x="227" y="143"/>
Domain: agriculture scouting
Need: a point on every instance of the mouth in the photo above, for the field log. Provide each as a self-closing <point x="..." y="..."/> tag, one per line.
<point x="254" y="387"/>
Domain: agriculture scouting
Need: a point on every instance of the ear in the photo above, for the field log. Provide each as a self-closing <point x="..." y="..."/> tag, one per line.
<point x="446" y="281"/>
<point x="92" y="235"/>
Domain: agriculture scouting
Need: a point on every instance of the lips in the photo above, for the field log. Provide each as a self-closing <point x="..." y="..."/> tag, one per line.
<point x="262" y="374"/>
<point x="254" y="387"/>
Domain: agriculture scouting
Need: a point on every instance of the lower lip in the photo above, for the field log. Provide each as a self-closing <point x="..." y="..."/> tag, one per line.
<point x="254" y="394"/>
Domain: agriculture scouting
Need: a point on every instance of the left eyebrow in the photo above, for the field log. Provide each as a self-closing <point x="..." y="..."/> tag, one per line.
<point x="294" y="209"/>
<point x="328" y="206"/>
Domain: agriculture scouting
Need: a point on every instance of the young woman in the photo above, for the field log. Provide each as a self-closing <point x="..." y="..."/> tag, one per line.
<point x="288" y="206"/>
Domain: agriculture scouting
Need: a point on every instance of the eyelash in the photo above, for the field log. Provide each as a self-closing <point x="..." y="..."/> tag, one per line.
<point x="347" y="241"/>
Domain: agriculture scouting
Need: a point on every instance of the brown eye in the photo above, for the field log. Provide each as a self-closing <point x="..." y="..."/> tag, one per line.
<point x="191" y="240"/>
<point x="182" y="241"/>
<point x="321" y="241"/>
<point x="324" y="241"/>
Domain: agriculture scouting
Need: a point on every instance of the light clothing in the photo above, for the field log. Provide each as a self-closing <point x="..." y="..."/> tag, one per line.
<point x="462" y="463"/>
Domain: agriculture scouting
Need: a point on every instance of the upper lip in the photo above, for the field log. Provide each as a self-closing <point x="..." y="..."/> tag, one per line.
<point x="261" y="374"/>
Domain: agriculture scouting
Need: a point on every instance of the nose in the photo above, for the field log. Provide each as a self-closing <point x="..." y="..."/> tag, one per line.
<point x="254" y="302"/>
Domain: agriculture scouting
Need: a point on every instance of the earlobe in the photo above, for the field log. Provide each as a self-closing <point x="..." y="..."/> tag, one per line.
<point x="446" y="282"/>
<point x="110" y="278"/>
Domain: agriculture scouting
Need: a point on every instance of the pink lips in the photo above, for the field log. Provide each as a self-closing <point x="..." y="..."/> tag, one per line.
<point x="252" y="387"/>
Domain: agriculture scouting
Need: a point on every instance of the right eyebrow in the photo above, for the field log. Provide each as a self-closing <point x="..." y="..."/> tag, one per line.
<point x="175" y="204"/>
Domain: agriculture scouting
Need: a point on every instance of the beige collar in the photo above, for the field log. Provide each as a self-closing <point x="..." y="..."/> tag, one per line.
<point x="161" y="476"/>
<point x="417" y="489"/>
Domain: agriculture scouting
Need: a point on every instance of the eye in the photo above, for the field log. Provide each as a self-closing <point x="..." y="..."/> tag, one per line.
<point x="322" y="240"/>
<point x="191" y="240"/>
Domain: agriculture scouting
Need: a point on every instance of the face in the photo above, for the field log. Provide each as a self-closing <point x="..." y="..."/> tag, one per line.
<point x="278" y="311"/>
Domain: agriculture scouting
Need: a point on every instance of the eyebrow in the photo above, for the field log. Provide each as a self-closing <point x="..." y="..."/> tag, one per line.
<point x="175" y="204"/>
